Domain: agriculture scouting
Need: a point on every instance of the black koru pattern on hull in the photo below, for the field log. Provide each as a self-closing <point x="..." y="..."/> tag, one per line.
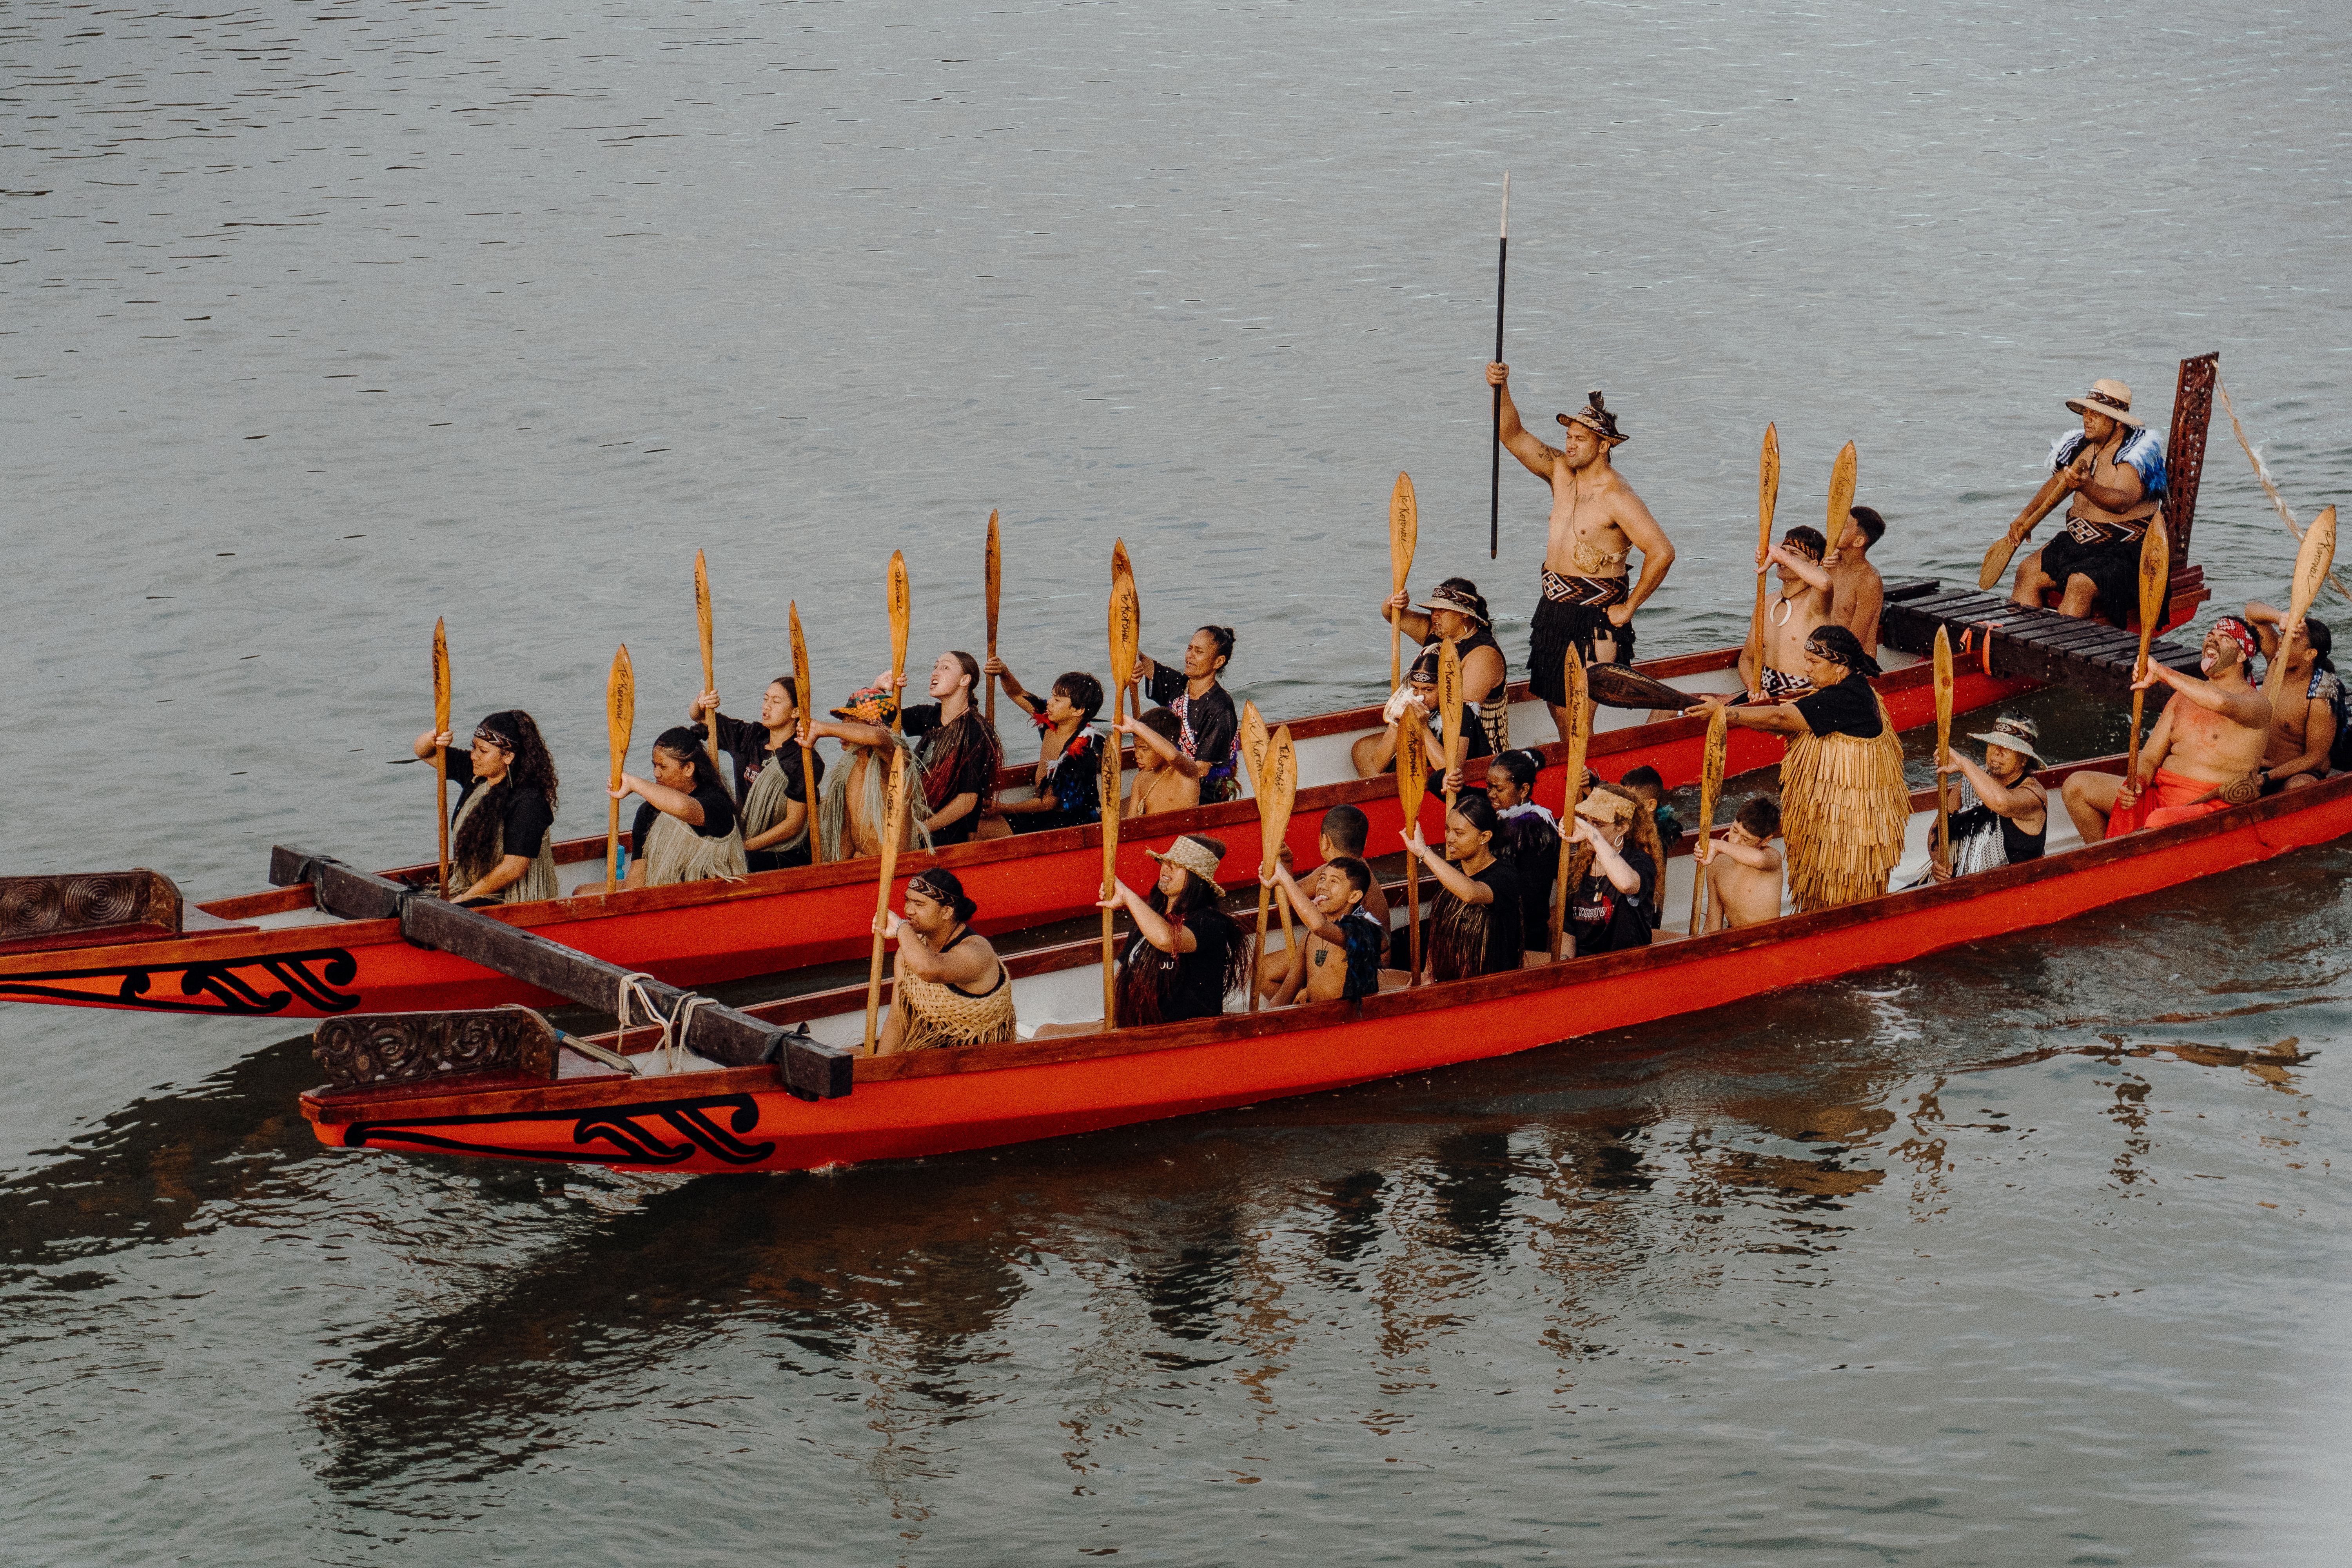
<point x="623" y="1135"/>
<point x="313" y="978"/>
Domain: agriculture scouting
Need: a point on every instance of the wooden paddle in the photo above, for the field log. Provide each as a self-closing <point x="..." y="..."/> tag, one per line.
<point x="995" y="591"/>
<point x="1405" y="533"/>
<point x="1110" y="879"/>
<point x="901" y="611"/>
<point x="441" y="751"/>
<point x="1997" y="559"/>
<point x="1710" y="788"/>
<point x="1122" y="581"/>
<point x="1124" y="632"/>
<point x="1767" y="500"/>
<point x="1579" y="733"/>
<point x="702" y="624"/>
<point x="1495" y="455"/>
<point x="2155" y="584"/>
<point x="892" y="834"/>
<point x="1844" y="474"/>
<point x="1412" y="788"/>
<point x="1277" y="788"/>
<point x="1944" y="737"/>
<point x="1449" y="705"/>
<point x="1616" y="685"/>
<point x="2312" y="560"/>
<point x="807" y="715"/>
<point x="620" y="717"/>
<point x="1254" y="743"/>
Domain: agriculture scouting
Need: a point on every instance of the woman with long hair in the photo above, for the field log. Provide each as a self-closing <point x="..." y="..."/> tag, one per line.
<point x="1474" y="926"/>
<point x="1207" y="725"/>
<point x="1528" y="837"/>
<point x="774" y="802"/>
<point x="1188" y="954"/>
<point x="956" y="755"/>
<point x="686" y="830"/>
<point x="502" y="834"/>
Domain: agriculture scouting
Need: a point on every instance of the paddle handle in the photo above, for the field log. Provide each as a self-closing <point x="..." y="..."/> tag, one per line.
<point x="1699" y="883"/>
<point x="1412" y="910"/>
<point x="441" y="807"/>
<point x="894" y="830"/>
<point x="1258" y="947"/>
<point x="1494" y="467"/>
<point x="613" y="847"/>
<point x="1109" y="793"/>
<point x="1997" y="559"/>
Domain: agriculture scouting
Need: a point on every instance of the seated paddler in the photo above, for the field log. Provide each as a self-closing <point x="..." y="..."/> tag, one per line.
<point x="686" y="830"/>
<point x="1068" y="788"/>
<point x="948" y="987"/>
<point x="1188" y="955"/>
<point x="2307" y="732"/>
<point x="1456" y="613"/>
<point x="1207" y="724"/>
<point x="956" y="756"/>
<point x="1415" y="704"/>
<point x="503" y="836"/>
<point x="1340" y="959"/>
<point x="2114" y="469"/>
<point x="2204" y="755"/>
<point x="853" y="812"/>
<point x="772" y="798"/>
<point x="2002" y="815"/>
<point x="1474" y="923"/>
<point x="1613" y="877"/>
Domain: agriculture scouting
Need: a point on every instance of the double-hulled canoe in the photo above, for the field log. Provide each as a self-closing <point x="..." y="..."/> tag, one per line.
<point x="943" y="1102"/>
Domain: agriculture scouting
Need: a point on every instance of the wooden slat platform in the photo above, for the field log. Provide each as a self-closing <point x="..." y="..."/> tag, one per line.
<point x="2039" y="644"/>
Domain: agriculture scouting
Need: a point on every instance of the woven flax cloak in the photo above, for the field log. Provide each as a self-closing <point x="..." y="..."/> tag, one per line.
<point x="1843" y="806"/>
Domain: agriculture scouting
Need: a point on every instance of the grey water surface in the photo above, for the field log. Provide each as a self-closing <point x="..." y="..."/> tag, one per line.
<point x="322" y="320"/>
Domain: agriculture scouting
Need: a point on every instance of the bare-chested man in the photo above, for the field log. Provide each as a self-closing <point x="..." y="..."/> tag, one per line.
<point x="1856" y="590"/>
<point x="2114" y="469"/>
<point x="1597" y="521"/>
<point x="2211" y="740"/>
<point x="1742" y="869"/>
<point x="1340" y="959"/>
<point x="2303" y="732"/>
<point x="1773" y="663"/>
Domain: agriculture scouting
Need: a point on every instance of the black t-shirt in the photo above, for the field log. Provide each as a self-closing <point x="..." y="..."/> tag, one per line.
<point x="1074" y="779"/>
<point x="1848" y="708"/>
<point x="1605" y="919"/>
<point x="975" y="771"/>
<point x="1209" y="717"/>
<point x="1532" y="844"/>
<point x="747" y="746"/>
<point x="718" y="817"/>
<point x="1201" y="974"/>
<point x="528" y="815"/>
<point x="1503" y="947"/>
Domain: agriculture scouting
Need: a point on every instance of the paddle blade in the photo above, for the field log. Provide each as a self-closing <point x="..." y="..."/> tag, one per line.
<point x="1997" y="559"/>
<point x="1615" y="686"/>
<point x="702" y="611"/>
<point x="1125" y="629"/>
<point x="1710" y="780"/>
<point x="620" y="708"/>
<point x="1767" y="490"/>
<point x="2312" y="560"/>
<point x="807" y="701"/>
<point x="1412" y="767"/>
<point x="2156" y="575"/>
<point x="1575" y="684"/>
<point x="901" y="612"/>
<point x="1404" y="531"/>
<point x="1110" y="814"/>
<point x="1843" y="477"/>
<point x="441" y="673"/>
<point x="1449" y="692"/>
<point x="1280" y="790"/>
<point x="1944" y="688"/>
<point x="995" y="580"/>
<point x="1254" y="744"/>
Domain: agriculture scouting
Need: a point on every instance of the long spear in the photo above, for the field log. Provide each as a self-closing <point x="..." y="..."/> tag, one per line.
<point x="995" y="591"/>
<point x="440" y="751"/>
<point x="808" y="754"/>
<point x="1494" y="470"/>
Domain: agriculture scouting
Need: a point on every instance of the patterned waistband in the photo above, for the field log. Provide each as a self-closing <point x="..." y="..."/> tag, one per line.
<point x="1590" y="592"/>
<point x="1779" y="684"/>
<point x="2091" y="531"/>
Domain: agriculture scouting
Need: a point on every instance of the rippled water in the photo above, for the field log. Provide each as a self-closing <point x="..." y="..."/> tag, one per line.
<point x="325" y="321"/>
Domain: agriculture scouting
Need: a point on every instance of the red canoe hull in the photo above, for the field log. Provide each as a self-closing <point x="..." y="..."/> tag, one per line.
<point x="703" y="933"/>
<point x="940" y="1103"/>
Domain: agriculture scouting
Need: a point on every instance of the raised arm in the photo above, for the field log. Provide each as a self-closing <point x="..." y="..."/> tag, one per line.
<point x="1997" y="798"/>
<point x="1027" y="702"/>
<point x="1517" y="438"/>
<point x="1807" y="573"/>
<point x="2248" y="707"/>
<point x="662" y="798"/>
<point x="1779" y="717"/>
<point x="1149" y="923"/>
<point x="1454" y="879"/>
<point x="1317" y="922"/>
<point x="967" y="962"/>
<point x="1621" y="876"/>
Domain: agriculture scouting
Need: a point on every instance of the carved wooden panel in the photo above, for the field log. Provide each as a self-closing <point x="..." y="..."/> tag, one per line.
<point x="371" y="1050"/>
<point x="86" y="901"/>
<point x="2184" y="453"/>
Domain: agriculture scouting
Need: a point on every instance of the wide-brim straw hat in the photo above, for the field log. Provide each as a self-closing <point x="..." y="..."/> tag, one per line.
<point x="2112" y="398"/>
<point x="1200" y="855"/>
<point x="2013" y="734"/>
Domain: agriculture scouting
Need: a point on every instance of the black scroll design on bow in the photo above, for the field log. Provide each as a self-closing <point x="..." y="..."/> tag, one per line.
<point x="657" y="1133"/>
<point x="227" y="987"/>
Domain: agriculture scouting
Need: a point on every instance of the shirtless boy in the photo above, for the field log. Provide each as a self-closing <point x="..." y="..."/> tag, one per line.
<point x="1773" y="663"/>
<point x="2303" y="729"/>
<point x="1743" y="869"/>
<point x="1342" y="837"/>
<point x="2211" y="737"/>
<point x="1340" y="959"/>
<point x="1856" y="590"/>
<point x="1597" y="521"/>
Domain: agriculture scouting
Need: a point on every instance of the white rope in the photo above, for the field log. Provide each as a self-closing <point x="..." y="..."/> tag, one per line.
<point x="2263" y="474"/>
<point x="671" y="1047"/>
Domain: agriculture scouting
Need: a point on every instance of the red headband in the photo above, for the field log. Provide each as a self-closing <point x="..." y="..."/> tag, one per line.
<point x="2238" y="632"/>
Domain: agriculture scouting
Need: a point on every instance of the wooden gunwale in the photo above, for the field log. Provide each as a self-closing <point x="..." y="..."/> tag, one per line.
<point x="331" y="1108"/>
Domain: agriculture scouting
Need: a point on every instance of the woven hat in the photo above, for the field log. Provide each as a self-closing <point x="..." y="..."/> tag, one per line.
<point x="2112" y="398"/>
<point x="1200" y="855"/>
<point x="2013" y="733"/>
<point x="1605" y="806"/>
<point x="1595" y="416"/>
<point x="871" y="705"/>
<point x="1460" y="603"/>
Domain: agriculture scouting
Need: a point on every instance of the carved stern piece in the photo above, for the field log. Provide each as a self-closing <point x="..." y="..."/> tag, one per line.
<point x="34" y="908"/>
<point x="371" y="1050"/>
